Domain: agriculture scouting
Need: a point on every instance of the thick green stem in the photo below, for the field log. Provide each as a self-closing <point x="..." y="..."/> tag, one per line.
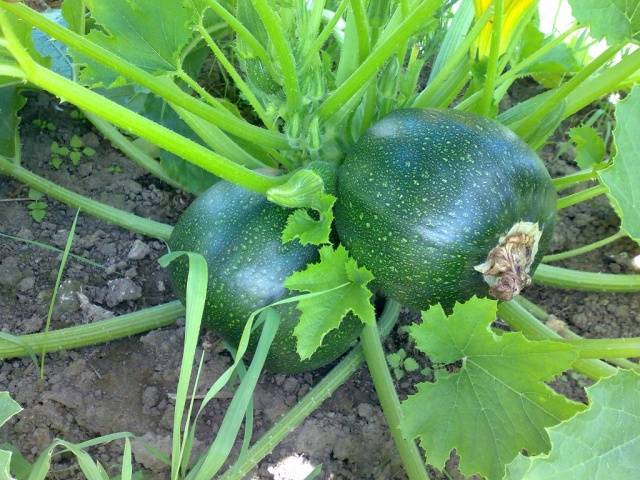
<point x="555" y="257"/>
<point x="126" y="146"/>
<point x="573" y="178"/>
<point x="93" y="333"/>
<point x="233" y="73"/>
<point x="151" y="131"/>
<point x="425" y="98"/>
<point x="374" y="355"/>
<point x="606" y="82"/>
<point x="520" y="319"/>
<point x="167" y="90"/>
<point x="586" y="281"/>
<point x="309" y="403"/>
<point x="324" y="35"/>
<point x="486" y="100"/>
<point x="607" y="348"/>
<point x="107" y="213"/>
<point x="352" y="86"/>
<point x="362" y="28"/>
<point x="531" y="122"/>
<point x="581" y="196"/>
<point x="273" y="26"/>
<point x="565" y="332"/>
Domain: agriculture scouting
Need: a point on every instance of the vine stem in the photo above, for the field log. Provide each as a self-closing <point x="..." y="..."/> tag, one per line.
<point x="93" y="333"/>
<point x="573" y="178"/>
<point x="367" y="69"/>
<point x="99" y="210"/>
<point x="310" y="402"/>
<point x="486" y="100"/>
<point x="581" y="196"/>
<point x="374" y="355"/>
<point x="561" y="328"/>
<point x="520" y="319"/>
<point x="586" y="281"/>
<point x="555" y="257"/>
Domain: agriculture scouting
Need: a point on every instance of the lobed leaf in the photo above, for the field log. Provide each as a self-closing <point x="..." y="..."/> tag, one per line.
<point x="621" y="178"/>
<point x="124" y="23"/>
<point x="590" y="149"/>
<point x="600" y="443"/>
<point x="496" y="404"/>
<point x="345" y="290"/>
<point x="615" y="20"/>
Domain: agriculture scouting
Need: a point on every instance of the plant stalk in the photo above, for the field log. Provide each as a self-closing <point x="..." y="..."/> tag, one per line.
<point x="352" y="86"/>
<point x="562" y="329"/>
<point x="573" y="178"/>
<point x="167" y="90"/>
<point x="374" y="355"/>
<point x="520" y="319"/>
<point x="112" y="215"/>
<point x="486" y="101"/>
<point x="310" y="402"/>
<point x="555" y="257"/>
<point x="93" y="333"/>
<point x="586" y="281"/>
<point x="581" y="196"/>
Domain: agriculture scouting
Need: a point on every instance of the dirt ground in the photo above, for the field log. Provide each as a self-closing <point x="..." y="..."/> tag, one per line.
<point x="127" y="385"/>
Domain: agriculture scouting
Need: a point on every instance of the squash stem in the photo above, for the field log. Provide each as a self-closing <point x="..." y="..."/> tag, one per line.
<point x="584" y="249"/>
<point x="92" y="333"/>
<point x="586" y="281"/>
<point x="561" y="328"/>
<point x="310" y="402"/>
<point x="581" y="196"/>
<point x="522" y="320"/>
<point x="374" y="355"/>
<point x="486" y="101"/>
<point x="104" y="212"/>
<point x="572" y="179"/>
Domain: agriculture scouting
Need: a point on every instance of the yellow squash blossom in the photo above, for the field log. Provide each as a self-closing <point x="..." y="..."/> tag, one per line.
<point x="513" y="12"/>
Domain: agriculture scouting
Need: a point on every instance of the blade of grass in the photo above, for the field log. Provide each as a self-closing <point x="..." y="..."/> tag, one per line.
<point x="195" y="300"/>
<point x="221" y="447"/>
<point x="51" y="248"/>
<point x="54" y="296"/>
<point x="127" y="467"/>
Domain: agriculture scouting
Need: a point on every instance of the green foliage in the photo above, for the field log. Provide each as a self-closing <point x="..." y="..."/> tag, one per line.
<point x="400" y="363"/>
<point x="126" y="29"/>
<point x="305" y="189"/>
<point x="345" y="287"/>
<point x="11" y="101"/>
<point x="621" y="178"/>
<point x="601" y="443"/>
<point x="615" y="20"/>
<point x="37" y="207"/>
<point x="500" y="377"/>
<point x="74" y="152"/>
<point x="590" y="148"/>
<point x="8" y="408"/>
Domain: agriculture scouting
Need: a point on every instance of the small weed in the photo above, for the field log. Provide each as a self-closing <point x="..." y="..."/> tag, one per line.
<point x="43" y="125"/>
<point x="37" y="207"/>
<point x="115" y="169"/>
<point x="74" y="152"/>
<point x="401" y="364"/>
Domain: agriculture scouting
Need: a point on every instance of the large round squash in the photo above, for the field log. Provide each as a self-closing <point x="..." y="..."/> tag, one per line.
<point x="238" y="233"/>
<point x="441" y="205"/>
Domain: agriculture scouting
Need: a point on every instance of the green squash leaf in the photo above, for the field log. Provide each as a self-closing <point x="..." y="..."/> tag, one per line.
<point x="305" y="189"/>
<point x="126" y="30"/>
<point x="615" y="20"/>
<point x="621" y="178"/>
<point x="8" y="408"/>
<point x="590" y="149"/>
<point x="11" y="101"/>
<point x="496" y="404"/>
<point x="345" y="285"/>
<point x="600" y="443"/>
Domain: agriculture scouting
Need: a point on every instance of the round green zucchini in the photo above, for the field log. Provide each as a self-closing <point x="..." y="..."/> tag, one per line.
<point x="238" y="233"/>
<point x="442" y="205"/>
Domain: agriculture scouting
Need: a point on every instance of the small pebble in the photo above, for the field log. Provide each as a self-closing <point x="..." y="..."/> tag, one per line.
<point x="139" y="250"/>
